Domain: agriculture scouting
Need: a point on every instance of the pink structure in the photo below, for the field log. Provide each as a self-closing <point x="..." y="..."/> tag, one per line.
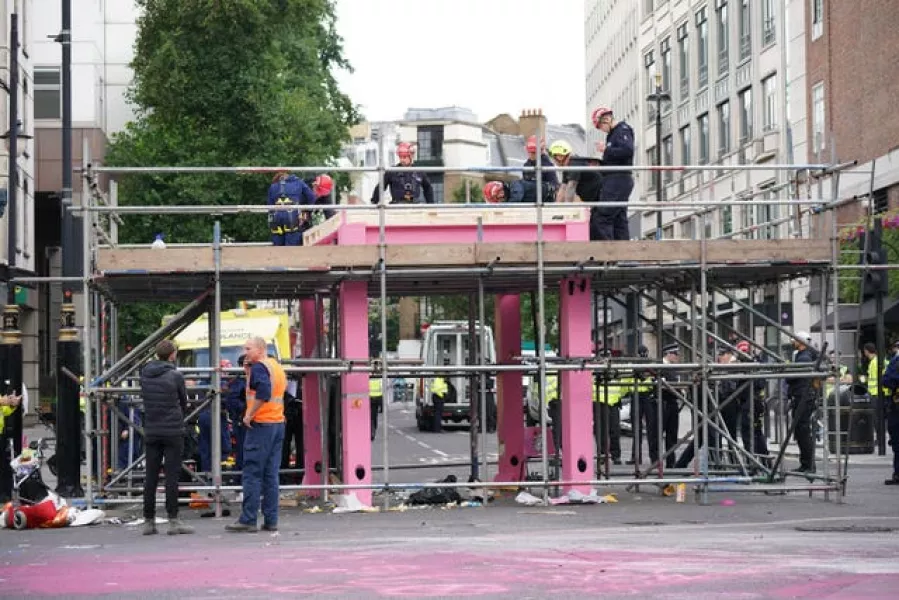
<point x="312" y="432"/>
<point x="429" y="227"/>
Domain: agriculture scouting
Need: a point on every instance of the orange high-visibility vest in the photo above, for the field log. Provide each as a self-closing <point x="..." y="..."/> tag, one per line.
<point x="271" y="411"/>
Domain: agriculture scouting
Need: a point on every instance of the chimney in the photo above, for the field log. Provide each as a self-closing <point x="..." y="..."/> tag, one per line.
<point x="532" y="122"/>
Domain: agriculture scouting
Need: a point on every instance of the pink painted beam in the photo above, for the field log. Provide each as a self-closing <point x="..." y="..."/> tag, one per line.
<point x="312" y="432"/>
<point x="355" y="401"/>
<point x="510" y="412"/>
<point x="575" y="324"/>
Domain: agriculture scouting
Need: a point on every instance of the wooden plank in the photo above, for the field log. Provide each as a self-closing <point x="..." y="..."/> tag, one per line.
<point x="789" y="250"/>
<point x="643" y="250"/>
<point x="424" y="255"/>
<point x="147" y="259"/>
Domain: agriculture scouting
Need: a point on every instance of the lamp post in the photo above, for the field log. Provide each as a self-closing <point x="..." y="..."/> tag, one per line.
<point x="658" y="97"/>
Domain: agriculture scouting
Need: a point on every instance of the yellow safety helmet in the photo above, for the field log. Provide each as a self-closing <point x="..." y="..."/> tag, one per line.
<point x="560" y="148"/>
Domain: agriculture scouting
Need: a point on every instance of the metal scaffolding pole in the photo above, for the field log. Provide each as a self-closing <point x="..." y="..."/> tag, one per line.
<point x="215" y="357"/>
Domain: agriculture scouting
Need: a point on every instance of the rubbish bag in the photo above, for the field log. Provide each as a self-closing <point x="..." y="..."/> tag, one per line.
<point x="437" y="495"/>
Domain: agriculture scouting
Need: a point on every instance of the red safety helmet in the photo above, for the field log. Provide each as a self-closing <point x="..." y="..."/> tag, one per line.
<point x="743" y="346"/>
<point x="531" y="145"/>
<point x="322" y="186"/>
<point x="404" y="149"/>
<point x="599" y="113"/>
<point x="492" y="192"/>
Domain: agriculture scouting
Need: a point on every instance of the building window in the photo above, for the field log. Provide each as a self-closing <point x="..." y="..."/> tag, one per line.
<point x="702" y="32"/>
<point x="727" y="220"/>
<point x="767" y="214"/>
<point x="881" y="201"/>
<point x="668" y="157"/>
<point x="47" y="93"/>
<point x="648" y="7"/>
<point x="745" y="29"/>
<point x="430" y="142"/>
<point x="688" y="231"/>
<point x="769" y="92"/>
<point x="648" y="68"/>
<point x="683" y="51"/>
<point x="768" y="29"/>
<point x="436" y="180"/>
<point x="703" y="138"/>
<point x="686" y="151"/>
<point x="723" y="128"/>
<point x="818" y="117"/>
<point x="665" y="51"/>
<point x="651" y="160"/>
<point x="817" y="18"/>
<point x="723" y="38"/>
<point x="745" y="115"/>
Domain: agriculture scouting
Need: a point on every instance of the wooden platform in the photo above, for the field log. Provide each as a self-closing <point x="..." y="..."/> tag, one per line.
<point x="248" y="272"/>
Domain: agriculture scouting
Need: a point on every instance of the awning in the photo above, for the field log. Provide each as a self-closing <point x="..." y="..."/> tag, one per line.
<point x="851" y="314"/>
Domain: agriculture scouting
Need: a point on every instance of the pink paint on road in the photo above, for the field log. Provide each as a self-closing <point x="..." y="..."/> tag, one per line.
<point x="289" y="569"/>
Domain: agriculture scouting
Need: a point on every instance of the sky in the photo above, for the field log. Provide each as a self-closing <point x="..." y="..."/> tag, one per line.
<point x="468" y="53"/>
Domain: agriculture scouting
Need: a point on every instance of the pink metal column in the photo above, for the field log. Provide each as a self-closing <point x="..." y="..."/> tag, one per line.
<point x="577" y="412"/>
<point x="510" y="413"/>
<point x="355" y="403"/>
<point x="312" y="432"/>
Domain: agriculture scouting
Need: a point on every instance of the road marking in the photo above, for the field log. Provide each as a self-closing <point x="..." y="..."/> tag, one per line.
<point x="440" y="452"/>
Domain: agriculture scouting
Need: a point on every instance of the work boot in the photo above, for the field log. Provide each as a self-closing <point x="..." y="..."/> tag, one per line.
<point x="150" y="526"/>
<point x="894" y="480"/>
<point x="239" y="527"/>
<point x="267" y="527"/>
<point x="177" y="527"/>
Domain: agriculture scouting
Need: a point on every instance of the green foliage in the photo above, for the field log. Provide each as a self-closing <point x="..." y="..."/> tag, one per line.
<point x="455" y="308"/>
<point x="477" y="194"/>
<point x="225" y="83"/>
<point x="850" y="254"/>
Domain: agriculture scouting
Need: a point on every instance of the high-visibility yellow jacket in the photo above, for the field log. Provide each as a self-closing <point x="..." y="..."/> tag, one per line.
<point x="374" y="386"/>
<point x="5" y="411"/>
<point x="552" y="388"/>
<point x="608" y="393"/>
<point x="439" y="387"/>
<point x="871" y="380"/>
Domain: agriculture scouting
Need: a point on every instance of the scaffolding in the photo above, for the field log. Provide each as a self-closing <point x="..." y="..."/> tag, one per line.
<point x="688" y="274"/>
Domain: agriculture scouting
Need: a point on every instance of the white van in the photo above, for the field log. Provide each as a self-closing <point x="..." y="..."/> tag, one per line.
<point x="445" y="343"/>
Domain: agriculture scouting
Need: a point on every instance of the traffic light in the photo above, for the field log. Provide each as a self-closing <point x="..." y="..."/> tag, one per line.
<point x="873" y="253"/>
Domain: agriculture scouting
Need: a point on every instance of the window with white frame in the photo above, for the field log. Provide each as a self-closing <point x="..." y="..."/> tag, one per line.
<point x="668" y="157"/>
<point x="769" y="93"/>
<point x="745" y="98"/>
<point x="723" y="38"/>
<point x="723" y="128"/>
<point x="818" y="115"/>
<point x="703" y="123"/>
<point x="665" y="52"/>
<point x="683" y="60"/>
<point x="817" y="18"/>
<point x="47" y="93"/>
<point x="768" y="22"/>
<point x="745" y="29"/>
<point x="702" y="34"/>
<point x="686" y="150"/>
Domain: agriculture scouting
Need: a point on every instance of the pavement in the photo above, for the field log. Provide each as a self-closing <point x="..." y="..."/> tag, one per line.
<point x="740" y="545"/>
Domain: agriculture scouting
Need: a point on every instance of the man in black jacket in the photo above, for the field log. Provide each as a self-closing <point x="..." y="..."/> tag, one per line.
<point x="803" y="403"/>
<point x="165" y="402"/>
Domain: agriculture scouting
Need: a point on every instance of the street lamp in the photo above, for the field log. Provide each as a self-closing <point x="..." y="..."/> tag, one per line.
<point x="658" y="97"/>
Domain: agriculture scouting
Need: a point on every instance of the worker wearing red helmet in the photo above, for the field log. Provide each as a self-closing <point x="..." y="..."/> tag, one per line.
<point x="547" y="176"/>
<point x="617" y="151"/>
<point x="323" y="187"/>
<point x="495" y="191"/>
<point x="407" y="186"/>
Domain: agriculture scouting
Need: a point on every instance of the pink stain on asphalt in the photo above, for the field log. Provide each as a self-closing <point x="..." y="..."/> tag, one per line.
<point x="290" y="570"/>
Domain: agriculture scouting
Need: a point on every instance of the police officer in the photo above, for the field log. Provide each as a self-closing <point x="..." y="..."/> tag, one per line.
<point x="285" y="225"/>
<point x="649" y="408"/>
<point x="405" y="187"/>
<point x="752" y="410"/>
<point x="607" y="417"/>
<point x="890" y="381"/>
<point x="670" y="404"/>
<point x="554" y="409"/>
<point x="802" y="397"/>
<point x="8" y="405"/>
<point x="617" y="150"/>
<point x="546" y="177"/>
<point x="235" y="401"/>
<point x="441" y="392"/>
<point x="870" y="352"/>
<point x="376" y="399"/>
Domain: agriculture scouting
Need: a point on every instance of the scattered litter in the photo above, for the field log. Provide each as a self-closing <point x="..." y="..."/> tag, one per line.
<point x="432" y="496"/>
<point x="528" y="499"/>
<point x="681" y="496"/>
<point x="313" y="510"/>
<point x="349" y="503"/>
<point x="140" y="521"/>
<point x="576" y="497"/>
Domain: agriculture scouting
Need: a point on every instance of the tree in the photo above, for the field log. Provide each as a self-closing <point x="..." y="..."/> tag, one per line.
<point x="476" y="193"/>
<point x="226" y="83"/>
